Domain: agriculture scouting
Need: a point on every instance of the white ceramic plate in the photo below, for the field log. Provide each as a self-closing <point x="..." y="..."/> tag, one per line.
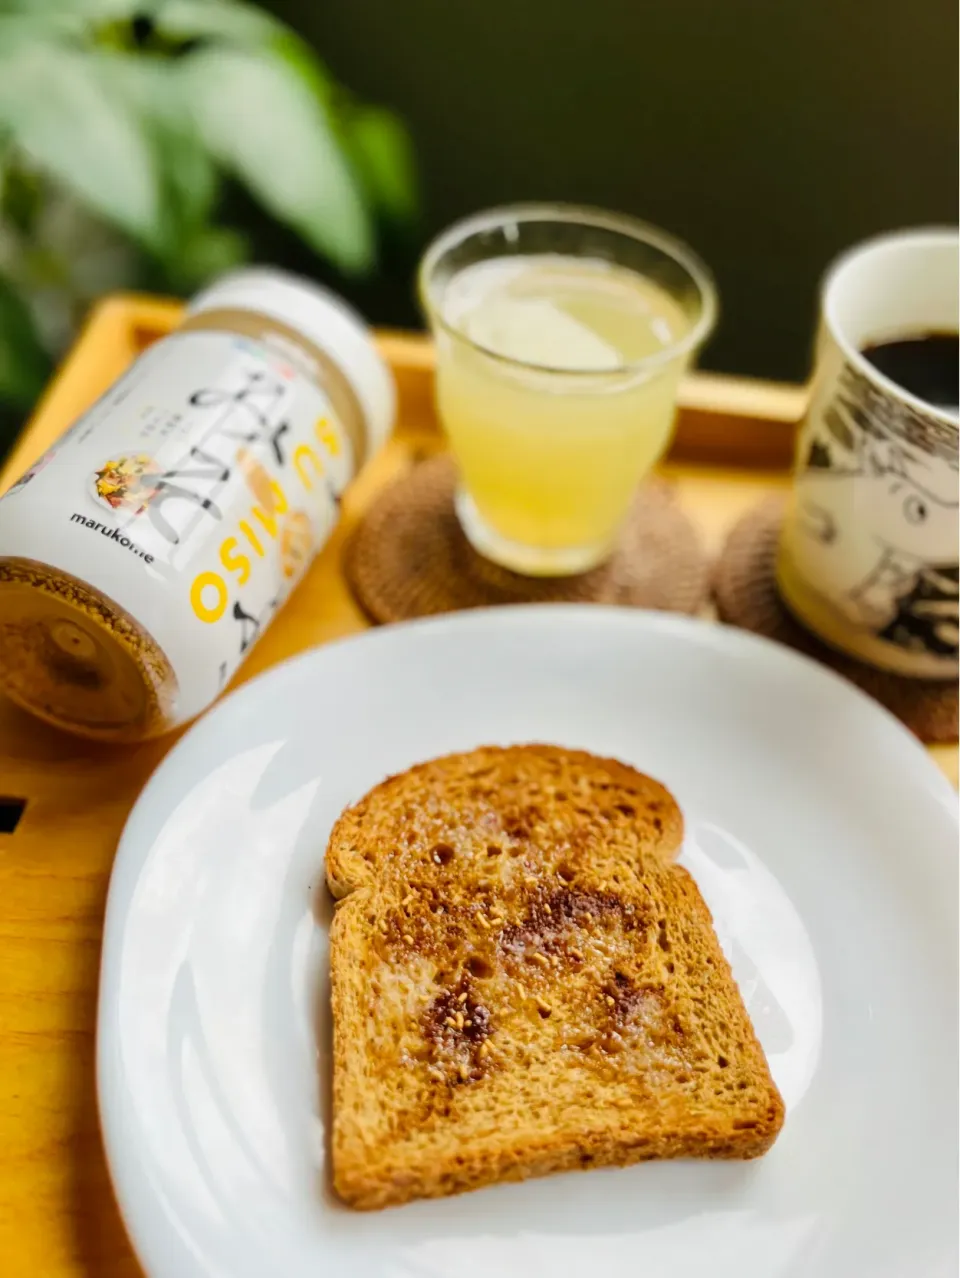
<point x="822" y="836"/>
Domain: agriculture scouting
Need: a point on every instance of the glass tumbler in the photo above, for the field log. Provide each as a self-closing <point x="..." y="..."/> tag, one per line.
<point x="561" y="336"/>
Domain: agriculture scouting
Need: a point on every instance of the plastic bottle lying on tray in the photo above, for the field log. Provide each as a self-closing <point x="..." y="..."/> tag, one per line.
<point x="147" y="550"/>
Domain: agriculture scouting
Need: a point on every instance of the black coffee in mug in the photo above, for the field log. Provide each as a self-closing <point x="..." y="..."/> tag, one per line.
<point x="927" y="365"/>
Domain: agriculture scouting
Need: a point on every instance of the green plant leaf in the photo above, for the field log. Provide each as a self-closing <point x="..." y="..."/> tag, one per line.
<point x="24" y="364"/>
<point x="150" y="90"/>
<point x="301" y="60"/>
<point x="227" y="20"/>
<point x="382" y="153"/>
<point x="77" y="12"/>
<point x="375" y="140"/>
<point x="19" y="17"/>
<point x="265" y="124"/>
<point x="67" y="118"/>
<point x="176" y="21"/>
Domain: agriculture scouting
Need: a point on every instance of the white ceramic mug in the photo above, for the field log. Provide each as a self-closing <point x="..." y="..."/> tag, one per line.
<point x="868" y="551"/>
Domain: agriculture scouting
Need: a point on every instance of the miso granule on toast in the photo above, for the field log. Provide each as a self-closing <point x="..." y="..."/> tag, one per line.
<point x="523" y="982"/>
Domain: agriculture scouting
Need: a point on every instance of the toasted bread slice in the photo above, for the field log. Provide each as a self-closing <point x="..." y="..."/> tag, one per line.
<point x="524" y="983"/>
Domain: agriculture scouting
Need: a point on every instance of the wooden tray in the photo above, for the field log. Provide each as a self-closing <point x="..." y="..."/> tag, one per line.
<point x="57" y="1215"/>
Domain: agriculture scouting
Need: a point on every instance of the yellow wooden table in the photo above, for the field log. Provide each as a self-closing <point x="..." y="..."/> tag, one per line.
<point x="57" y="1214"/>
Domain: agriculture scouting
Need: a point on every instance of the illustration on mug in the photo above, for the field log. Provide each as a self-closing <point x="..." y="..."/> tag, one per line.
<point x="876" y="502"/>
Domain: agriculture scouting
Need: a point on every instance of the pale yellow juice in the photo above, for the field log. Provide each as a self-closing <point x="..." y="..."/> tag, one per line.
<point x="556" y="405"/>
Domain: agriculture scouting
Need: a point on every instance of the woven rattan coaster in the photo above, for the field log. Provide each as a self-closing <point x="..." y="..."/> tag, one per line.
<point x="747" y="596"/>
<point x="409" y="557"/>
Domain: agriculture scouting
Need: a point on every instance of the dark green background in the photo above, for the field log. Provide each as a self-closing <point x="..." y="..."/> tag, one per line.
<point x="767" y="133"/>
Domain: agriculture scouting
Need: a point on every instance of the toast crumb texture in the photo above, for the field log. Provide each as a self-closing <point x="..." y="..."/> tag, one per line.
<point x="523" y="982"/>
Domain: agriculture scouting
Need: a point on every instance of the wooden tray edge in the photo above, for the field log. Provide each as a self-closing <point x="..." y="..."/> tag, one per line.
<point x="722" y="421"/>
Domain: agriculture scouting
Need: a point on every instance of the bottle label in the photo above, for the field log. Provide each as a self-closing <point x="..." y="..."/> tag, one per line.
<point x="196" y="491"/>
